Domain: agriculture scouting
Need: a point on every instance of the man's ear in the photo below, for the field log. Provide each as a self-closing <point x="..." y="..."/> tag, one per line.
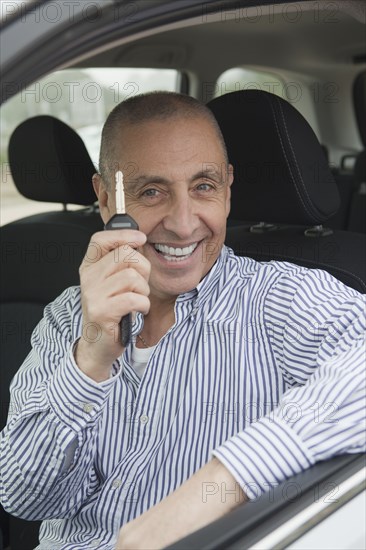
<point x="106" y="205"/>
<point x="230" y="179"/>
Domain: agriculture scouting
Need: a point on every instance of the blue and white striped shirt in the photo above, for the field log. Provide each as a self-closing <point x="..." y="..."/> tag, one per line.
<point x="263" y="368"/>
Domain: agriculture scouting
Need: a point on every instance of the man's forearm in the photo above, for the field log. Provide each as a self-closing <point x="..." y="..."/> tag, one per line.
<point x="208" y="495"/>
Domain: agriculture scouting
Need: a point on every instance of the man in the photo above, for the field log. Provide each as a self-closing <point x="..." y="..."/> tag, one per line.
<point x="229" y="378"/>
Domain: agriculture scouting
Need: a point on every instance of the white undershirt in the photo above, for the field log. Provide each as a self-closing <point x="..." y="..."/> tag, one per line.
<point x="139" y="358"/>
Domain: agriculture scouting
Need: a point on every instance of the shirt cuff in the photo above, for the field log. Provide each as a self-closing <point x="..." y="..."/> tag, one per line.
<point x="75" y="398"/>
<point x="263" y="455"/>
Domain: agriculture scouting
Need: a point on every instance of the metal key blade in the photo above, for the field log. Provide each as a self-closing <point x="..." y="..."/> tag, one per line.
<point x="120" y="194"/>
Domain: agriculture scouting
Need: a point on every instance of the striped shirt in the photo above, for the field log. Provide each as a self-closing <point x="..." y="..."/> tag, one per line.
<point x="263" y="368"/>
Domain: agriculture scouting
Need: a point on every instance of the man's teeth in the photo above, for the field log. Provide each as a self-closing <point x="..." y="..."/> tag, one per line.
<point x="170" y="252"/>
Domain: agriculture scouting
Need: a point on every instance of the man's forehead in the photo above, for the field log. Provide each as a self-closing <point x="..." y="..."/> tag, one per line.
<point x="200" y="145"/>
<point x="128" y="129"/>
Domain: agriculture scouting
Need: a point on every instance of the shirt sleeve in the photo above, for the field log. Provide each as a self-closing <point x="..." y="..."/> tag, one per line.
<point x="48" y="446"/>
<point x="316" y="327"/>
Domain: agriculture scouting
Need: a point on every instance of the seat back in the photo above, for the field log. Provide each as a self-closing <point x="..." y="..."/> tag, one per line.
<point x="40" y="254"/>
<point x="40" y="257"/>
<point x="283" y="191"/>
<point x="352" y="190"/>
<point x="357" y="214"/>
<point x="357" y="217"/>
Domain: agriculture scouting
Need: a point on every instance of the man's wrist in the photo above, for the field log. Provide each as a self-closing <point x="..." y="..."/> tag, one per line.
<point x="87" y="364"/>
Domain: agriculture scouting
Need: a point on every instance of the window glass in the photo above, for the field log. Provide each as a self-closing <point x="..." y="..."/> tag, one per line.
<point x="82" y="98"/>
<point x="290" y="86"/>
<point x="249" y="79"/>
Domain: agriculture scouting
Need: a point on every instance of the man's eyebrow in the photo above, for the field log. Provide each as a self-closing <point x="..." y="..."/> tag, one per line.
<point x="208" y="173"/>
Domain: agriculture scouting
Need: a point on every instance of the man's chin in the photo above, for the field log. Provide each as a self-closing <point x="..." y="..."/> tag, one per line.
<point x="174" y="282"/>
<point x="172" y="277"/>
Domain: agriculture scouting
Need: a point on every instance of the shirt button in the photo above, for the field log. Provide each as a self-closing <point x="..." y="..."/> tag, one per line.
<point x="144" y="419"/>
<point x="95" y="543"/>
<point x="116" y="483"/>
<point x="88" y="407"/>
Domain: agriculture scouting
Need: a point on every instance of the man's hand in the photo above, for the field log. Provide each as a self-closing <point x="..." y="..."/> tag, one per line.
<point x="208" y="495"/>
<point x="114" y="282"/>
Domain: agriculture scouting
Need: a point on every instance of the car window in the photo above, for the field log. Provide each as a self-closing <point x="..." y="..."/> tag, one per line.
<point x="82" y="98"/>
<point x="290" y="86"/>
<point x="239" y="78"/>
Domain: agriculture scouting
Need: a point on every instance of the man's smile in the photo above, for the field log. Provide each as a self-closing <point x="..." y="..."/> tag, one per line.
<point x="173" y="253"/>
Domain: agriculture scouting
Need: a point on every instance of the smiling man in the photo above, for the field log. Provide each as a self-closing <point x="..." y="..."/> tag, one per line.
<point x="177" y="182"/>
<point x="229" y="359"/>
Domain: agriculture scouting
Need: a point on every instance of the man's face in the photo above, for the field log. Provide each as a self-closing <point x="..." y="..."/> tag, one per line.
<point x="177" y="188"/>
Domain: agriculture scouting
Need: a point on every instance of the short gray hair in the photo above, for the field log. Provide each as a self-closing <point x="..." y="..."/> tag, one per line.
<point x="143" y="108"/>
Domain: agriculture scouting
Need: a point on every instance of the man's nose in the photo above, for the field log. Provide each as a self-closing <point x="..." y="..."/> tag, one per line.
<point x="182" y="217"/>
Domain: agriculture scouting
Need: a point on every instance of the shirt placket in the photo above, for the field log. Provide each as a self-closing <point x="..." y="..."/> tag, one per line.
<point x="145" y="418"/>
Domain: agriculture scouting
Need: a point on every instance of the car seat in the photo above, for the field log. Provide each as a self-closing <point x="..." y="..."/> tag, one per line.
<point x="357" y="216"/>
<point x="283" y="191"/>
<point x="41" y="254"/>
<point x="352" y="184"/>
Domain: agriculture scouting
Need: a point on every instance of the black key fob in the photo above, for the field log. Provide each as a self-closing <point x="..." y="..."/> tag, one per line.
<point x="123" y="221"/>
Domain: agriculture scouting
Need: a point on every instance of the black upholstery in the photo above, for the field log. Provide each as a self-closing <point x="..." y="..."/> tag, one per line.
<point x="352" y="191"/>
<point x="342" y="253"/>
<point x="276" y="155"/>
<point x="352" y="181"/>
<point x="40" y="257"/>
<point x="359" y="102"/>
<point x="346" y="185"/>
<point x="49" y="162"/>
<point x="263" y="131"/>
<point x="357" y="215"/>
<point x="360" y="167"/>
<point x="41" y="254"/>
<point x="38" y="246"/>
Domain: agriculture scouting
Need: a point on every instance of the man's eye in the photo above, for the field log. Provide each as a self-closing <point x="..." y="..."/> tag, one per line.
<point x="150" y="192"/>
<point x="204" y="187"/>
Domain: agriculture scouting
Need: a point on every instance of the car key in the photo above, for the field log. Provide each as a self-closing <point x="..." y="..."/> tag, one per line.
<point x="121" y="220"/>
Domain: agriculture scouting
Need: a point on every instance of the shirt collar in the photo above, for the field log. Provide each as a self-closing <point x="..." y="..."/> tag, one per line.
<point x="205" y="287"/>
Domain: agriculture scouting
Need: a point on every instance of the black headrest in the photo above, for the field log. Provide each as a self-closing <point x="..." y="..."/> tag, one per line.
<point x="49" y="162"/>
<point x="280" y="171"/>
<point x="359" y="102"/>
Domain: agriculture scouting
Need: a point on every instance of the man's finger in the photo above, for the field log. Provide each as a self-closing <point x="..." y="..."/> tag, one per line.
<point x="103" y="242"/>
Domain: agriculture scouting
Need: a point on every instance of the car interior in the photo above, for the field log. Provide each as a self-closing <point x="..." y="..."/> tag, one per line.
<point x="298" y="151"/>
